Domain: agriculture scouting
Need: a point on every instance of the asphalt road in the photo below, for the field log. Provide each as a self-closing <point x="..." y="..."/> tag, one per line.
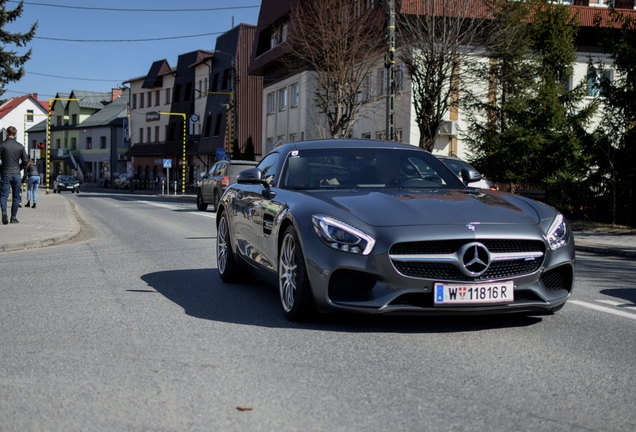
<point x="128" y="327"/>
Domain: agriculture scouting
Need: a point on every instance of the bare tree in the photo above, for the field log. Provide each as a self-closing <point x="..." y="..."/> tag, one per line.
<point x="435" y="39"/>
<point x="339" y="40"/>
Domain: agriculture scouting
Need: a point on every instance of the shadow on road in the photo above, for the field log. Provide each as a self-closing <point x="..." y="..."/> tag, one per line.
<point x="202" y="295"/>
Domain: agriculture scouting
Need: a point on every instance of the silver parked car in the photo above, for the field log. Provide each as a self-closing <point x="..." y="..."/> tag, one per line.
<point x="213" y="183"/>
<point x="383" y="228"/>
<point x="457" y="165"/>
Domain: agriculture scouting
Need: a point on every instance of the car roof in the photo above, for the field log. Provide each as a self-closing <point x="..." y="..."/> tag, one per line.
<point x="343" y="142"/>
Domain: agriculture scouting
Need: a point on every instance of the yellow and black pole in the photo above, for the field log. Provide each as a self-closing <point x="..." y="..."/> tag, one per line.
<point x="48" y="139"/>
<point x="185" y="131"/>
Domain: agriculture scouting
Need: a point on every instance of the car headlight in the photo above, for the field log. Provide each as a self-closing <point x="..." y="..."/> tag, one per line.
<point x="342" y="236"/>
<point x="557" y="235"/>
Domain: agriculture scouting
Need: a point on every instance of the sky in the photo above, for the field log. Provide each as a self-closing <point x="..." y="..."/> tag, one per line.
<point x="95" y="45"/>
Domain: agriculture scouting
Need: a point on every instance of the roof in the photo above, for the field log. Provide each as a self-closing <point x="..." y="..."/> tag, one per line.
<point x="113" y="111"/>
<point x="202" y="56"/>
<point x="155" y="74"/>
<point x="13" y="103"/>
<point x="88" y="99"/>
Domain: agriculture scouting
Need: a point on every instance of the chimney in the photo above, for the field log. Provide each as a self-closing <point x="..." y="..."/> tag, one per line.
<point x="35" y="96"/>
<point x="116" y="93"/>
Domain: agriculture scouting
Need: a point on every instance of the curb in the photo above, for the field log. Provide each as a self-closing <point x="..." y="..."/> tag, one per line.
<point x="627" y="253"/>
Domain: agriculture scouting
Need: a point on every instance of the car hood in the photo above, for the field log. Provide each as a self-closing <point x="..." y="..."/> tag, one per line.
<point x="397" y="207"/>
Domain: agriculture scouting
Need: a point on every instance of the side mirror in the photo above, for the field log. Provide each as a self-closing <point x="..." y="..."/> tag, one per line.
<point x="251" y="176"/>
<point x="470" y="175"/>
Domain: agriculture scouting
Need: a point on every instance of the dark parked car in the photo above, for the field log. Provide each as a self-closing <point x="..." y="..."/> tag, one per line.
<point x="123" y="182"/>
<point x="66" y="183"/>
<point x="213" y="183"/>
<point x="384" y="228"/>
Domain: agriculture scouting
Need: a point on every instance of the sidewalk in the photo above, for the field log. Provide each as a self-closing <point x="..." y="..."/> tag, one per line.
<point x="53" y="221"/>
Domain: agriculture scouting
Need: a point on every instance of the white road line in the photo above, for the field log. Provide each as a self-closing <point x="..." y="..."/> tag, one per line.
<point x="174" y="207"/>
<point x="603" y="309"/>
<point x="618" y="304"/>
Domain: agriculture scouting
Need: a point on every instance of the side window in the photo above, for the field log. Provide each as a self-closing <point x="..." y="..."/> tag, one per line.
<point x="214" y="167"/>
<point x="222" y="169"/>
<point x="268" y="167"/>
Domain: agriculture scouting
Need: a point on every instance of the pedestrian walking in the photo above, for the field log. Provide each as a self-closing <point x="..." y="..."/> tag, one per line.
<point x="157" y="184"/>
<point x="14" y="159"/>
<point x="32" y="178"/>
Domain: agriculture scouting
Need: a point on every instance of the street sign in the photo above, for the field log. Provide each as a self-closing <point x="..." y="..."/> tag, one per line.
<point x="220" y="153"/>
<point x="167" y="163"/>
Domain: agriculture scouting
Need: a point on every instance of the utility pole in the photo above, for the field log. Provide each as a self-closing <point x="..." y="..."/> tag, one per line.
<point x="389" y="64"/>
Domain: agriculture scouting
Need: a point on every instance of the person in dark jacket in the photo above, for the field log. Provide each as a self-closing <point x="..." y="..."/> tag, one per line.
<point x="32" y="178"/>
<point x="14" y="159"/>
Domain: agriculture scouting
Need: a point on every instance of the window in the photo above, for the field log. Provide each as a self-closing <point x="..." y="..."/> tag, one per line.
<point x="157" y="97"/>
<point x="294" y="95"/>
<point x="57" y="143"/>
<point x="283" y="36"/>
<point x="74" y="119"/>
<point x="148" y="132"/>
<point x="273" y="41"/>
<point x="29" y="116"/>
<point x="89" y="143"/>
<point x="268" y="168"/>
<point x="208" y="126"/>
<point x="171" y="132"/>
<point x="356" y="9"/>
<point x="102" y="142"/>
<point x="226" y="79"/>
<point x="73" y="143"/>
<point x="217" y="126"/>
<point x="381" y="82"/>
<point x="215" y="81"/>
<point x="188" y="91"/>
<point x="141" y="135"/>
<point x="141" y="100"/>
<point x="281" y="138"/>
<point x="594" y="79"/>
<point x="176" y="94"/>
<point x="366" y="135"/>
<point x="282" y="99"/>
<point x="200" y="89"/>
<point x="380" y="135"/>
<point x="269" y="143"/>
<point x="157" y="129"/>
<point x="59" y="120"/>
<point x="134" y="101"/>
<point x="167" y="96"/>
<point x="369" y="4"/>
<point x="293" y="137"/>
<point x="365" y="93"/>
<point x="271" y="103"/>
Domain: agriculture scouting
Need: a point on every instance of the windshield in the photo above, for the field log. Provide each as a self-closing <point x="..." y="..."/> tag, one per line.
<point x="66" y="179"/>
<point x="366" y="168"/>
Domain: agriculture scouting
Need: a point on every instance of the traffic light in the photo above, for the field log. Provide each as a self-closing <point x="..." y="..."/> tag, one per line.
<point x="389" y="58"/>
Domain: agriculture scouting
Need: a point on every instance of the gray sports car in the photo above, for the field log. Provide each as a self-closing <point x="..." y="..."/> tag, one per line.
<point x="384" y="228"/>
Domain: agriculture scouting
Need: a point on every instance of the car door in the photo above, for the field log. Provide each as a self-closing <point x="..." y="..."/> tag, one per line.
<point x="207" y="186"/>
<point x="248" y="212"/>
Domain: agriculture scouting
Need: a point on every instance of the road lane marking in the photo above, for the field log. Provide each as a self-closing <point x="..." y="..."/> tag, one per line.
<point x="629" y="306"/>
<point x="177" y="207"/>
<point x="603" y="309"/>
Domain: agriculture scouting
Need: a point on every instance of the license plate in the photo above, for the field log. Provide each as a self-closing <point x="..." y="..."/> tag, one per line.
<point x="501" y="292"/>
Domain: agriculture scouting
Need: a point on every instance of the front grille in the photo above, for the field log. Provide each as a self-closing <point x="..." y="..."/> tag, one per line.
<point x="451" y="246"/>
<point x="449" y="271"/>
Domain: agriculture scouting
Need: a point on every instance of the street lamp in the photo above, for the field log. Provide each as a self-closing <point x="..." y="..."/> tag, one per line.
<point x="48" y="140"/>
<point x="183" y="174"/>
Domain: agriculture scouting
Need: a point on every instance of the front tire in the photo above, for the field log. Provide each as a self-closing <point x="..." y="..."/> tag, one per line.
<point x="200" y="204"/>
<point x="293" y="284"/>
<point x="226" y="262"/>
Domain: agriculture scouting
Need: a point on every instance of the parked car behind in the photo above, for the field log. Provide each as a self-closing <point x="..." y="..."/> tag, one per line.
<point x="456" y="165"/>
<point x="123" y="182"/>
<point x="213" y="183"/>
<point x="66" y="183"/>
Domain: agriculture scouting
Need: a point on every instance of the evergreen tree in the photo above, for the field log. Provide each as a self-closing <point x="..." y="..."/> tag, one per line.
<point x="249" y="149"/>
<point x="11" y="63"/>
<point x="535" y="123"/>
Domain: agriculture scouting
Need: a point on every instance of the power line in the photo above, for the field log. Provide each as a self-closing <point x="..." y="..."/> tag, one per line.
<point x="136" y="10"/>
<point x="73" y="78"/>
<point x="125" y="40"/>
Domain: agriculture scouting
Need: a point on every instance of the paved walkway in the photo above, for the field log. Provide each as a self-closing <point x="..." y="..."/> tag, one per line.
<point x="53" y="221"/>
